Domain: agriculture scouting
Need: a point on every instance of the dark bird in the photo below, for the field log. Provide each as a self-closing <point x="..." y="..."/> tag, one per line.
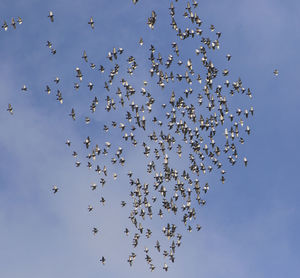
<point x="91" y="22"/>
<point x="51" y="16"/>
<point x="55" y="189"/>
<point x="103" y="260"/>
<point x="10" y="109"/>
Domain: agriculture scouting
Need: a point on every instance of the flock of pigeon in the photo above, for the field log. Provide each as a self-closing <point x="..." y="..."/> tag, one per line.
<point x="193" y="133"/>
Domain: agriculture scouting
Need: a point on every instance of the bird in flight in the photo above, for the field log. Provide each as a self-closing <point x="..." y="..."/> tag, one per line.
<point x="103" y="260"/>
<point x="10" y="109"/>
<point x="55" y="189"/>
<point x="91" y="22"/>
<point x="51" y="16"/>
<point x="177" y="140"/>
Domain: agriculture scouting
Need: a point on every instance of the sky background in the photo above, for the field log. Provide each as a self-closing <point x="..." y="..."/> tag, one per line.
<point x="250" y="224"/>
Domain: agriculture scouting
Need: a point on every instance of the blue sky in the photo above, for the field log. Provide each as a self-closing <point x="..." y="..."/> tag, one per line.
<point x="250" y="224"/>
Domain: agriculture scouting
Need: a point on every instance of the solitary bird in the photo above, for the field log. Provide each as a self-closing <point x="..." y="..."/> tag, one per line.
<point x="48" y="90"/>
<point x="13" y="23"/>
<point x="5" y="26"/>
<point x="91" y="22"/>
<point x="84" y="56"/>
<point x="68" y="143"/>
<point x="102" y="260"/>
<point x="24" y="88"/>
<point x="165" y="267"/>
<point x="10" y="109"/>
<point x="95" y="231"/>
<point x="55" y="189"/>
<point x="51" y="16"/>
<point x="72" y="114"/>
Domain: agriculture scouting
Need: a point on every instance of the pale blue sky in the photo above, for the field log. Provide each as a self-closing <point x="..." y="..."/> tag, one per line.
<point x="250" y="224"/>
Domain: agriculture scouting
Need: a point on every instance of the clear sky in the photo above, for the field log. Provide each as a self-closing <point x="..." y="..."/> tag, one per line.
<point x="250" y="224"/>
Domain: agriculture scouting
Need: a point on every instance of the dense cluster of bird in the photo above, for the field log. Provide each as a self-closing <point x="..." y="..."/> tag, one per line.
<point x="178" y="141"/>
<point x="161" y="135"/>
<point x="50" y="46"/>
<point x="13" y="23"/>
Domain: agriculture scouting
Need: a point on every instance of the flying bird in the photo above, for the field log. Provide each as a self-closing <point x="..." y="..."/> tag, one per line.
<point x="10" y="109"/>
<point x="55" y="189"/>
<point x="91" y="22"/>
<point x="5" y="26"/>
<point x="24" y="88"/>
<point x="195" y="124"/>
<point x="13" y="23"/>
<point x="51" y="16"/>
<point x="103" y="260"/>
